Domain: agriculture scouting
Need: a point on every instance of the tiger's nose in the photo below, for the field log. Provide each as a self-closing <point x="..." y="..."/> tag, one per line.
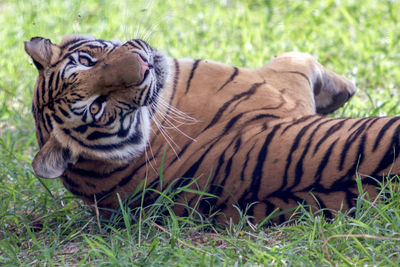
<point x="144" y="66"/>
<point x="119" y="69"/>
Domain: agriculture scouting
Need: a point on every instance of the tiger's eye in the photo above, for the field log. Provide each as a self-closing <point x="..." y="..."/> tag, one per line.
<point x="84" y="61"/>
<point x="94" y="108"/>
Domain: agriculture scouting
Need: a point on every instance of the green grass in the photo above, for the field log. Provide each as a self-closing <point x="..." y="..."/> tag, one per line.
<point x="42" y="224"/>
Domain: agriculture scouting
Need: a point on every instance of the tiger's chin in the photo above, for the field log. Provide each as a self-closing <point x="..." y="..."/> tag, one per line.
<point x="129" y="148"/>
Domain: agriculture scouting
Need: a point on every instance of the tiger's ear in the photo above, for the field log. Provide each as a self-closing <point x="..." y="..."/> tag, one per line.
<point x="52" y="159"/>
<point x="41" y="51"/>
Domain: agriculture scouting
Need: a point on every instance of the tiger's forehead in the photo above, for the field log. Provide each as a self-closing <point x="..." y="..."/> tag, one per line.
<point x="74" y="43"/>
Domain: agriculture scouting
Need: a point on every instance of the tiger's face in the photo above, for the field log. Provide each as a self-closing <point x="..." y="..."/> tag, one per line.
<point x="94" y="97"/>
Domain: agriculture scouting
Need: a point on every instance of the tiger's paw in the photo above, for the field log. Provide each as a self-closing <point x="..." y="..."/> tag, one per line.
<point x="327" y="90"/>
<point x="331" y="91"/>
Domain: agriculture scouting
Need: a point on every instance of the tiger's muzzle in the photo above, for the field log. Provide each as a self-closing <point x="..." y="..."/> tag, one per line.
<point x="120" y="69"/>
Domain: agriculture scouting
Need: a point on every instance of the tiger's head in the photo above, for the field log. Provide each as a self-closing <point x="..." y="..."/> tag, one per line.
<point x="92" y="98"/>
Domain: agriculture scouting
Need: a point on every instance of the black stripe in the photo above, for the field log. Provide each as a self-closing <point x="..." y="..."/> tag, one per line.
<point x="391" y="154"/>
<point x="43" y="87"/>
<point x="57" y="119"/>
<point x="350" y="196"/>
<point x="228" y="126"/>
<point x="298" y="121"/>
<point x="79" y="43"/>
<point x="69" y="181"/>
<point x="228" y="166"/>
<point x="231" y="123"/>
<point x="324" y="162"/>
<point x="234" y="74"/>
<point x="295" y="145"/>
<point x="134" y="45"/>
<point x="91" y="46"/>
<point x="50" y="80"/>
<point x="372" y="122"/>
<point x="103" y="194"/>
<point x="70" y="42"/>
<point x="124" y="132"/>
<point x="96" y="175"/>
<point x="252" y="90"/>
<point x="183" y="150"/>
<point x="39" y="132"/>
<point x="238" y="143"/>
<point x="351" y="172"/>
<point x="64" y="112"/>
<point x="134" y="139"/>
<point x="98" y="135"/>
<point x="48" y="120"/>
<point x="124" y="105"/>
<point x="250" y="195"/>
<point x="139" y="44"/>
<point x="60" y="60"/>
<point x="216" y="188"/>
<point x="358" y="121"/>
<point x="57" y="80"/>
<point x="336" y="127"/>
<point x="349" y="142"/>
<point x="38" y="65"/>
<point x="262" y="116"/>
<point x="194" y="67"/>
<point x="81" y="129"/>
<point x="299" y="166"/>
<point x="147" y="99"/>
<point x="63" y="73"/>
<point x="242" y="178"/>
<point x="214" y="183"/>
<point x="84" y="117"/>
<point x="193" y="169"/>
<point x="383" y="130"/>
<point x="175" y="82"/>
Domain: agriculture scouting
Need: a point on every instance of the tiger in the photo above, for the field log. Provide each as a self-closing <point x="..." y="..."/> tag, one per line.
<point x="114" y="119"/>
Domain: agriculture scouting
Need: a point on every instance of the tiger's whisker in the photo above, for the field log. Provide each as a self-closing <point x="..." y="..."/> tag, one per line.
<point x="177" y="113"/>
<point x="176" y="128"/>
<point x="167" y="138"/>
<point x="147" y="159"/>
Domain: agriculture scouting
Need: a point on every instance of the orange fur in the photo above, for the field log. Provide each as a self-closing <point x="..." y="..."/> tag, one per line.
<point x="257" y="132"/>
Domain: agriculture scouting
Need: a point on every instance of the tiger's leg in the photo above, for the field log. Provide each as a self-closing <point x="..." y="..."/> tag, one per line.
<point x="327" y="90"/>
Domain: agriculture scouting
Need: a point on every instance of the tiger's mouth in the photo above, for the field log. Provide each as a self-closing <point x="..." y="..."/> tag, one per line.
<point x="144" y="67"/>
